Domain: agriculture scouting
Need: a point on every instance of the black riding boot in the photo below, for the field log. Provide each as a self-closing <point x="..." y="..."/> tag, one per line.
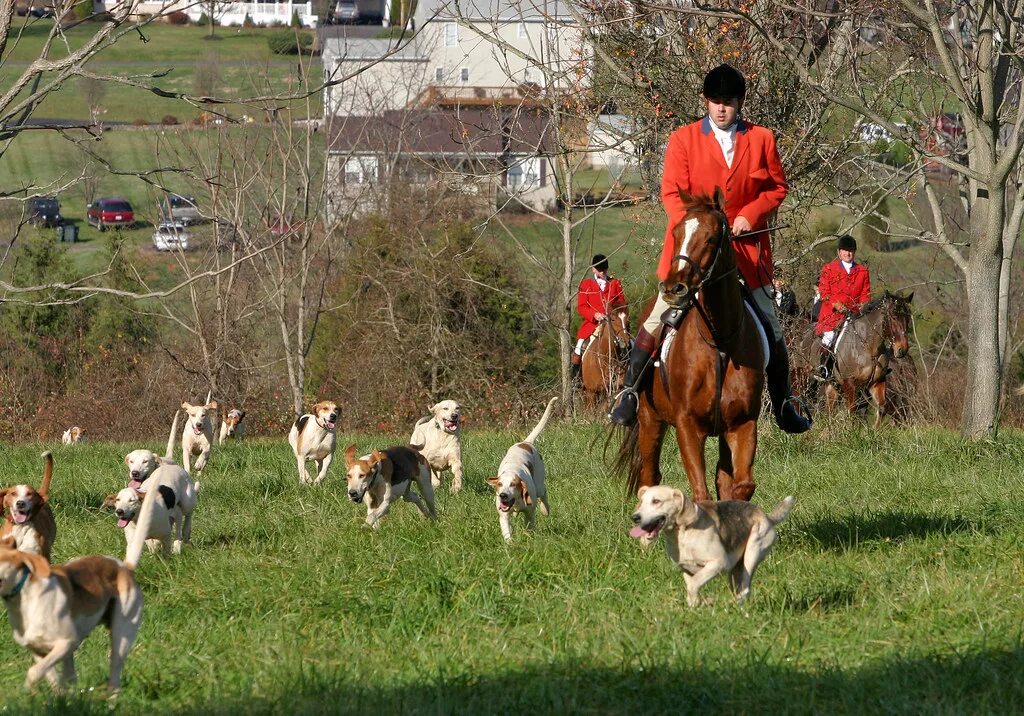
<point x="576" y="373"/>
<point x="786" y="415"/>
<point x="626" y="403"/>
<point x="821" y="374"/>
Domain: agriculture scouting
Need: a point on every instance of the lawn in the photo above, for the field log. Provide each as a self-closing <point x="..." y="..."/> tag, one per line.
<point x="239" y="62"/>
<point x="895" y="588"/>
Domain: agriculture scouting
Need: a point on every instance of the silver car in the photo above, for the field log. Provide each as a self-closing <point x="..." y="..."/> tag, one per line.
<point x="180" y="208"/>
<point x="171" y="236"/>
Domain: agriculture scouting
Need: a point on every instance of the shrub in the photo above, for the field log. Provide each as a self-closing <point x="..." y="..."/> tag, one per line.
<point x="204" y="20"/>
<point x="177" y="18"/>
<point x="140" y="122"/>
<point x="289" y="42"/>
<point x="248" y="21"/>
<point x="169" y="119"/>
<point x="295" y="22"/>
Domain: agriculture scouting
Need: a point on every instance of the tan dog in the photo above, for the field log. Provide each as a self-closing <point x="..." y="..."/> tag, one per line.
<point x="705" y="539"/>
<point x="312" y="437"/>
<point x="28" y="519"/>
<point x="53" y="608"/>
<point x="72" y="436"/>
<point x="384" y="476"/>
<point x="440" y="434"/>
<point x="197" y="437"/>
<point x="520" y="485"/>
<point x="231" y="426"/>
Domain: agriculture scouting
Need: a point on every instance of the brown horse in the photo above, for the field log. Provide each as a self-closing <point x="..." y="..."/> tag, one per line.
<point x="711" y="381"/>
<point x="604" y="360"/>
<point x="867" y="343"/>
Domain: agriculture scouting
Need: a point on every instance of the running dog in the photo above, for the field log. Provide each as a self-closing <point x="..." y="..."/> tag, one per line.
<point x="170" y="519"/>
<point x="520" y="484"/>
<point x="705" y="539"/>
<point x="28" y="519"/>
<point x="231" y="426"/>
<point x="383" y="476"/>
<point x="312" y="437"/>
<point x="197" y="437"/>
<point x="440" y="434"/>
<point x="142" y="463"/>
<point x="71" y="436"/>
<point x="52" y="609"/>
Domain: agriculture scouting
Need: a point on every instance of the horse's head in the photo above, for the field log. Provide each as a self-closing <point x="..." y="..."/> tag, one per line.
<point x="618" y="321"/>
<point x="697" y="242"/>
<point x="897" y="322"/>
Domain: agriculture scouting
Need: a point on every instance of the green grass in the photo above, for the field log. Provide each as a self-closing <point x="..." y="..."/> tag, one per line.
<point x="895" y="587"/>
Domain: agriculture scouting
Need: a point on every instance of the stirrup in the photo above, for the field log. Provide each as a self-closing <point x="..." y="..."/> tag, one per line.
<point x="620" y="398"/>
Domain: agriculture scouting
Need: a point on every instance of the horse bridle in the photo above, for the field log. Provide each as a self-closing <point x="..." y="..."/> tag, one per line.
<point x="703" y="275"/>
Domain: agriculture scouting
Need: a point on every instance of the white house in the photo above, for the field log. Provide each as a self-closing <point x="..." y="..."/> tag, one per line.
<point x="232" y="12"/>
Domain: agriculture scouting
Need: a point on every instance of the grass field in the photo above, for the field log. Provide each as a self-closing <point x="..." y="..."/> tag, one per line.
<point x="894" y="588"/>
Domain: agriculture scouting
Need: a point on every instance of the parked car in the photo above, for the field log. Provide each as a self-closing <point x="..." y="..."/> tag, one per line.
<point x="180" y="208"/>
<point x="171" y="236"/>
<point x="110" y="211"/>
<point x="43" y="211"/>
<point x="343" y="12"/>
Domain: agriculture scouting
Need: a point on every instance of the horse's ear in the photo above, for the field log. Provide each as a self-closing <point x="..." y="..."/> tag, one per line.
<point x="685" y="197"/>
<point x="719" y="199"/>
<point x="910" y="297"/>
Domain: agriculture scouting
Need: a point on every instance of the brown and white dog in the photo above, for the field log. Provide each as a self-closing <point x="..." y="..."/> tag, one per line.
<point x="520" y="484"/>
<point x="312" y="437"/>
<point x="72" y="436"/>
<point x="197" y="437"/>
<point x="52" y="609"/>
<point x="384" y="476"/>
<point x="231" y="426"/>
<point x="28" y="519"/>
<point x="705" y="539"/>
<point x="440" y="434"/>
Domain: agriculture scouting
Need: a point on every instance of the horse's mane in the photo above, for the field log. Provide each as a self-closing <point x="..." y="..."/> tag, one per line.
<point x="700" y="202"/>
<point x="875" y="303"/>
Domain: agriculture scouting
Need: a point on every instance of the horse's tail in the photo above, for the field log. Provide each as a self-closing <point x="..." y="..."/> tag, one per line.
<point x="781" y="510"/>
<point x="627" y="462"/>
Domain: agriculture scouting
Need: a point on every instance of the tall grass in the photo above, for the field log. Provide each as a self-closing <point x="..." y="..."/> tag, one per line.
<point x="895" y="587"/>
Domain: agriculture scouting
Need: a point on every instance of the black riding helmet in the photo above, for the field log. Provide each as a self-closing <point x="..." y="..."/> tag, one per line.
<point x="600" y="262"/>
<point x="847" y="243"/>
<point x="725" y="82"/>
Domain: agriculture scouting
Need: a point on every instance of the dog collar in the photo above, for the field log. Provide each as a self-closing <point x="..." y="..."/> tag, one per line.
<point x="21" y="583"/>
<point x="316" y="419"/>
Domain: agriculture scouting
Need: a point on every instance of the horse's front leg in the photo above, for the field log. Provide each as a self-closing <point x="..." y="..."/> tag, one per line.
<point x="652" y="436"/>
<point x="742" y="441"/>
<point x="691" y="439"/>
<point x="724" y="473"/>
<point x="878" y="395"/>
<point x="850" y="396"/>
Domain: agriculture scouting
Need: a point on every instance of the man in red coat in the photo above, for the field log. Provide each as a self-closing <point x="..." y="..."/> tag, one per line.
<point x="598" y="296"/>
<point x="844" y="287"/>
<point x="723" y="150"/>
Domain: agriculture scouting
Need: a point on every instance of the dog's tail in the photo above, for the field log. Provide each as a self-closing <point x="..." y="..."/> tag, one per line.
<point x="781" y="510"/>
<point x="532" y="437"/>
<point x="44" y="486"/>
<point x="169" y="455"/>
<point x="142" y="527"/>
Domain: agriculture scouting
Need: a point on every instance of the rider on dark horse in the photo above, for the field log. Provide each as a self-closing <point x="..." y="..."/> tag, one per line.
<point x="723" y="150"/>
<point x="844" y="287"/>
<point x="598" y="296"/>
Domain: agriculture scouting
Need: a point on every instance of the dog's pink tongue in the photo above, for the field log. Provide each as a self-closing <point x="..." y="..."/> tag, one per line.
<point x="330" y="424"/>
<point x="122" y="523"/>
<point x="20" y="518"/>
<point x="639" y="532"/>
<point x="198" y="429"/>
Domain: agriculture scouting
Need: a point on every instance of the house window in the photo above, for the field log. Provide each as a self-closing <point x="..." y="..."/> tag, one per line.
<point x="360" y="170"/>
<point x="524" y="174"/>
<point x="521" y="31"/>
<point x="451" y="34"/>
<point x="439" y="74"/>
<point x="464" y="74"/>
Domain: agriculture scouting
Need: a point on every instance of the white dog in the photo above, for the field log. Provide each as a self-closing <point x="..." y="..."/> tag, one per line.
<point x="72" y="436"/>
<point x="197" y="437"/>
<point x="141" y="463"/>
<point x="520" y="484"/>
<point x="312" y="437"/>
<point x="707" y="538"/>
<point x="231" y="426"/>
<point x="440" y="434"/>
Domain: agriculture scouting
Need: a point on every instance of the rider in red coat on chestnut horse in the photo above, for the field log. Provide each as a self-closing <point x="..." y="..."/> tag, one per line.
<point x="598" y="295"/>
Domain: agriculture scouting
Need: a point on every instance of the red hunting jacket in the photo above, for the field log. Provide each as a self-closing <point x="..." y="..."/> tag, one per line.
<point x="592" y="300"/>
<point x="754" y="187"/>
<point x="852" y="289"/>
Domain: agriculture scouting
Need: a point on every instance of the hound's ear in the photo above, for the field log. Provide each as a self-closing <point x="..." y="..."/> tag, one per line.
<point x="527" y="497"/>
<point x="719" y="199"/>
<point x="212" y="405"/>
<point x="377" y="456"/>
<point x="3" y="500"/>
<point x="318" y="407"/>
<point x="350" y="455"/>
<point x="641" y="491"/>
<point x="494" y="482"/>
<point x="126" y="459"/>
<point x="36" y="564"/>
<point x="109" y="501"/>
<point x="686" y="509"/>
<point x="241" y="415"/>
<point x="186" y="406"/>
<point x="160" y="461"/>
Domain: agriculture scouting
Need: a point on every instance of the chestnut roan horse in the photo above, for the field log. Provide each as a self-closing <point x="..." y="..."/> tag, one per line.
<point x="604" y="360"/>
<point x="713" y="377"/>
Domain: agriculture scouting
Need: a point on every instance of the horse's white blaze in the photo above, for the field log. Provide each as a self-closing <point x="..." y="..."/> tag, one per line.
<point x="690" y="226"/>
<point x="622" y="319"/>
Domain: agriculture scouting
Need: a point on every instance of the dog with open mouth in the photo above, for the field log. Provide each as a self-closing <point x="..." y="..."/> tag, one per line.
<point x="384" y="476"/>
<point x="142" y="463"/>
<point x="231" y="426"/>
<point x="313" y="437"/>
<point x="197" y="436"/>
<point x="520" y="485"/>
<point x="440" y="434"/>
<point x="28" y="523"/>
<point x="705" y="539"/>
